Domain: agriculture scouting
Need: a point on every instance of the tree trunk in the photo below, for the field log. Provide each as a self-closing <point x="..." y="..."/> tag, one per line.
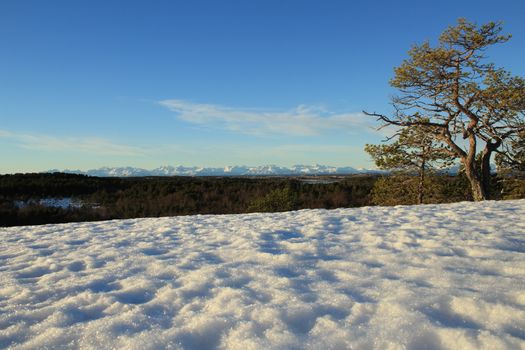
<point x="485" y="171"/>
<point x="420" y="188"/>
<point x="478" y="193"/>
<point x="476" y="185"/>
<point x="485" y="165"/>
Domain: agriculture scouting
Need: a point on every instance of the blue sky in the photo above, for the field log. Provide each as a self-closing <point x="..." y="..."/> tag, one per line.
<point x="85" y="84"/>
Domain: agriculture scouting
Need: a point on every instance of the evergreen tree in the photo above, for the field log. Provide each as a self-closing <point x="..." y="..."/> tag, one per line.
<point x="415" y="151"/>
<point x="281" y="199"/>
<point x="469" y="102"/>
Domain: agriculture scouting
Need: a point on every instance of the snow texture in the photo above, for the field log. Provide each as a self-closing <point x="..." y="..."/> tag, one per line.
<point x="406" y="277"/>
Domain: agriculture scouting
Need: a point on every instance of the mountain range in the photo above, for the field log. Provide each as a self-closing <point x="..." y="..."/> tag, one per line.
<point x="262" y="170"/>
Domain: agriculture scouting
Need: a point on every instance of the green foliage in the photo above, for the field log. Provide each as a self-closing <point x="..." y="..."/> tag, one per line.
<point x="24" y="186"/>
<point x="120" y="198"/>
<point x="468" y="101"/>
<point x="415" y="149"/>
<point x="395" y="190"/>
<point x="401" y="189"/>
<point x="512" y="188"/>
<point x="282" y="199"/>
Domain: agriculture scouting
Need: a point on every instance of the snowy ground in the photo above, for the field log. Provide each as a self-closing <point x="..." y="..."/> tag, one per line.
<point x="421" y="277"/>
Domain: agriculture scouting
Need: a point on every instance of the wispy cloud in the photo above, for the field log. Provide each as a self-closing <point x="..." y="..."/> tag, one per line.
<point x="301" y="121"/>
<point x="91" y="145"/>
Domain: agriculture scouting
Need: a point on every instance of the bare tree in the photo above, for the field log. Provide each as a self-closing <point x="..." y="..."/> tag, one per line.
<point x="473" y="105"/>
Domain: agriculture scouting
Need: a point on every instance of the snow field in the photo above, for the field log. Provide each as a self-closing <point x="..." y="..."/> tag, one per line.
<point x="407" y="277"/>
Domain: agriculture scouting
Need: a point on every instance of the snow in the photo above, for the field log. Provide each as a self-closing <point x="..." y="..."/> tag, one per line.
<point x="64" y="203"/>
<point x="407" y="277"/>
<point x="262" y="170"/>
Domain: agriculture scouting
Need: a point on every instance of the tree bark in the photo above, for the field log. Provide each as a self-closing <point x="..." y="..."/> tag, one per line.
<point x="490" y="147"/>
<point x="471" y="167"/>
<point x="420" y="188"/>
<point x="476" y="185"/>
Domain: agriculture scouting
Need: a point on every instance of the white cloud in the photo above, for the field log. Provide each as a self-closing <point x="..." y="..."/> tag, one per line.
<point x="302" y="120"/>
<point x="91" y="145"/>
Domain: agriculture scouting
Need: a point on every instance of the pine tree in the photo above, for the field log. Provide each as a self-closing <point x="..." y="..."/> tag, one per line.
<point x="469" y="102"/>
<point x="414" y="151"/>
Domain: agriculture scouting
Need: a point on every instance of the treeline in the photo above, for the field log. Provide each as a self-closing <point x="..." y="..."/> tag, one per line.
<point x="121" y="198"/>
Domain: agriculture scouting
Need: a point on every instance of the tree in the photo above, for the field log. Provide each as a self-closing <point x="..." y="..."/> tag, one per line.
<point x="469" y="102"/>
<point x="416" y="150"/>
<point x="281" y="199"/>
<point x="401" y="189"/>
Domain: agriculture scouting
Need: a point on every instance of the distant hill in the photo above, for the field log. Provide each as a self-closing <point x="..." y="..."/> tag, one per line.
<point x="263" y="170"/>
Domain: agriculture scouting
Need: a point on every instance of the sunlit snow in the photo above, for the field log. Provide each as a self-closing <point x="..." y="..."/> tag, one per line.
<point x="407" y="277"/>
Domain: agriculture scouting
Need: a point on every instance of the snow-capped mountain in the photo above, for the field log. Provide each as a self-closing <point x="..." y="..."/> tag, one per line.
<point x="262" y="170"/>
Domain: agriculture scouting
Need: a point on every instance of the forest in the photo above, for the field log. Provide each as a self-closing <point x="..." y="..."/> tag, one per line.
<point x="23" y="196"/>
